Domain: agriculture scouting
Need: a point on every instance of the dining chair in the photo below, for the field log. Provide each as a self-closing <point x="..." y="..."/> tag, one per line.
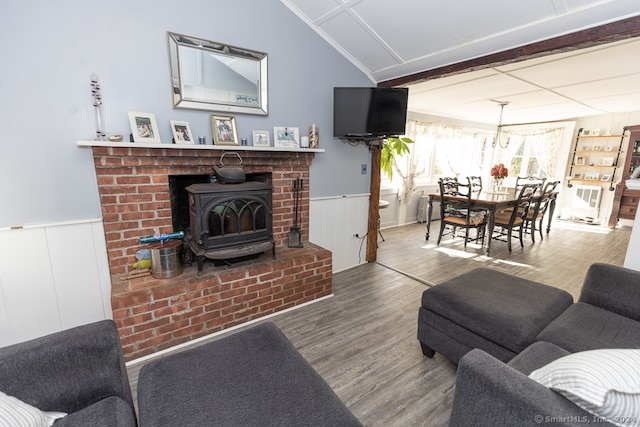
<point x="475" y="182"/>
<point x="455" y="210"/>
<point x="521" y="180"/>
<point x="539" y="209"/>
<point x="508" y="221"/>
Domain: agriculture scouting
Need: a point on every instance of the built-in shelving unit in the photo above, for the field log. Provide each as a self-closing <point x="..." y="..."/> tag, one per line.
<point x="595" y="159"/>
<point x="625" y="200"/>
<point x="123" y="144"/>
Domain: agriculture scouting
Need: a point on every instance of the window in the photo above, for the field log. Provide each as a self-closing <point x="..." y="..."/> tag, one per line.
<point x="446" y="150"/>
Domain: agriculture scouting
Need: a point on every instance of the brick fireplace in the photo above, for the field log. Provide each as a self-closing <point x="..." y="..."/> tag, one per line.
<point x="154" y="314"/>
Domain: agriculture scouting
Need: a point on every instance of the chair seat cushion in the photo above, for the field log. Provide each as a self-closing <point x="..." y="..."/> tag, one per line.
<point x="505" y="217"/>
<point x="587" y="327"/>
<point x="502" y="308"/>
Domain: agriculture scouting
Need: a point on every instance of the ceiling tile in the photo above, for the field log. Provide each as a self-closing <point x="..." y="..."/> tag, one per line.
<point x="314" y="9"/>
<point x="348" y="33"/>
<point x="602" y="88"/>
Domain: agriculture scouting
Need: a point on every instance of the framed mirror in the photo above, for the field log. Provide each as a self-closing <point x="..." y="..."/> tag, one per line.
<point x="207" y="75"/>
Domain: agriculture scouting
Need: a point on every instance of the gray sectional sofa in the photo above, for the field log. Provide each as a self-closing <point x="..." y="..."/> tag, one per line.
<point x="493" y="391"/>
<point x="253" y="377"/>
<point x="79" y="371"/>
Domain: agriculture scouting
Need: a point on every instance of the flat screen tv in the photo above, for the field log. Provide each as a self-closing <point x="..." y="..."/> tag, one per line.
<point x="367" y="113"/>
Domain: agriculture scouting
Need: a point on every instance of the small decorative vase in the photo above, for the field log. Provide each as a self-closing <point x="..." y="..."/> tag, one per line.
<point x="497" y="184"/>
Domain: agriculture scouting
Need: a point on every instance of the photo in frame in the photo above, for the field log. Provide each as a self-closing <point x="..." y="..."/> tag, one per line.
<point x="224" y="130"/>
<point x="607" y="161"/>
<point x="181" y="132"/>
<point x="144" y="127"/>
<point x="580" y="161"/>
<point x="261" y="138"/>
<point x="605" y="177"/>
<point x="286" y="137"/>
<point x="592" y="176"/>
<point x="577" y="176"/>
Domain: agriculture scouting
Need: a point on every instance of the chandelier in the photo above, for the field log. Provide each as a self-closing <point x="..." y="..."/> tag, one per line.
<point x="498" y="140"/>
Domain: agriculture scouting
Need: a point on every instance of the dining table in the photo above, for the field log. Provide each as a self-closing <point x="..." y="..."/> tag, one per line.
<point x="492" y="202"/>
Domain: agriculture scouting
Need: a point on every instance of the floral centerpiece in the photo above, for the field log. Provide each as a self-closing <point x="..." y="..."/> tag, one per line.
<point x="499" y="172"/>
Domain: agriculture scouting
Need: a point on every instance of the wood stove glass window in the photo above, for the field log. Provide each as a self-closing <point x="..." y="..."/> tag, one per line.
<point x="236" y="216"/>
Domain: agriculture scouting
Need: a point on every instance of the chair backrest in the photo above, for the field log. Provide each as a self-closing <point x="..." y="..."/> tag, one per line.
<point x="525" y="197"/>
<point x="522" y="180"/>
<point x="475" y="182"/>
<point x="453" y="207"/>
<point x="545" y="199"/>
<point x="449" y="186"/>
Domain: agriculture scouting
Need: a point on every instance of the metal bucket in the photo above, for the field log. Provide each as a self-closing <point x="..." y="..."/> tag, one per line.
<point x="166" y="259"/>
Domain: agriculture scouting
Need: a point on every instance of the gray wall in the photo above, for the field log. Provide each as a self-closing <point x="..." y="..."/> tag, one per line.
<point x="50" y="49"/>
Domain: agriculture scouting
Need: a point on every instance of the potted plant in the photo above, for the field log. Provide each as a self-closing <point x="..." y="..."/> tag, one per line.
<point x="392" y="147"/>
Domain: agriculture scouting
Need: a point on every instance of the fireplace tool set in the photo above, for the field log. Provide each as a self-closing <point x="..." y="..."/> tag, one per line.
<point x="295" y="240"/>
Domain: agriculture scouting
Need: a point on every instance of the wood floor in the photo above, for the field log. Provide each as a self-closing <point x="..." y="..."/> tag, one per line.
<point x="363" y="340"/>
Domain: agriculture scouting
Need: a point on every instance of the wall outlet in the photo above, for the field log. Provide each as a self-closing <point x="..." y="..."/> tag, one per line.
<point x="363" y="169"/>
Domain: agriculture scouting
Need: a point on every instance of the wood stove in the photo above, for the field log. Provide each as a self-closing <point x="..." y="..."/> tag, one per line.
<point x="230" y="221"/>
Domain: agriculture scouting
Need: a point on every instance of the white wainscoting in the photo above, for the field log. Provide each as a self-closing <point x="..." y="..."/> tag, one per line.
<point x="333" y="222"/>
<point x="52" y="277"/>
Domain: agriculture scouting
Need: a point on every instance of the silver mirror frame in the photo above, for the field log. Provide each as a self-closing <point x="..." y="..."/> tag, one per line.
<point x="176" y="67"/>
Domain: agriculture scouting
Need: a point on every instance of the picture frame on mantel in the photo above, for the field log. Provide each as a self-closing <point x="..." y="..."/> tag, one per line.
<point x="144" y="127"/>
<point x="181" y="132"/>
<point x="261" y="138"/>
<point x="224" y="130"/>
<point x="286" y="137"/>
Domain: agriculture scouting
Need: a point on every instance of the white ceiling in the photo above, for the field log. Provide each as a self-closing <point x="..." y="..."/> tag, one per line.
<point x="389" y="39"/>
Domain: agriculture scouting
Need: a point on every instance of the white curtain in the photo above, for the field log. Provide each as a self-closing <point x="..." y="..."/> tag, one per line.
<point x="542" y="143"/>
<point x="420" y="160"/>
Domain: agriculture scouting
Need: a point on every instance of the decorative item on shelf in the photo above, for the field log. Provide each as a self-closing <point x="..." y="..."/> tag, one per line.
<point x="314" y="136"/>
<point x="261" y="138"/>
<point x="499" y="172"/>
<point x="144" y="127"/>
<point x="97" y="104"/>
<point x="607" y="161"/>
<point x="592" y="176"/>
<point x="304" y="142"/>
<point x="202" y="140"/>
<point x="286" y="137"/>
<point x="181" y="132"/>
<point x="224" y="130"/>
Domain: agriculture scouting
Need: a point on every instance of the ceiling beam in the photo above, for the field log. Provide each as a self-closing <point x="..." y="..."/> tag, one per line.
<point x="607" y="33"/>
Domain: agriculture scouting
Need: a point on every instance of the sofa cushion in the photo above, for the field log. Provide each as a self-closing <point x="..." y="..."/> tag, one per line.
<point x="254" y="377"/>
<point x="497" y="306"/>
<point x="109" y="412"/>
<point x="605" y="382"/>
<point x="536" y="356"/>
<point x="586" y="327"/>
<point x="16" y="413"/>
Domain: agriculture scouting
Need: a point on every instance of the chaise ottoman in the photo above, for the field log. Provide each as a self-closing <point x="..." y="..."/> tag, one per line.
<point x="252" y="378"/>
<point x="487" y="309"/>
